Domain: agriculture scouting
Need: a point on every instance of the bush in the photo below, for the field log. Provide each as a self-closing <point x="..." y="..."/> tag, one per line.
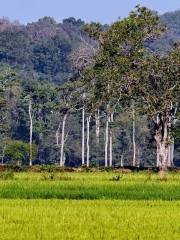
<point x="53" y="176"/>
<point x="8" y="175"/>
<point x="116" y="178"/>
<point x="17" y="152"/>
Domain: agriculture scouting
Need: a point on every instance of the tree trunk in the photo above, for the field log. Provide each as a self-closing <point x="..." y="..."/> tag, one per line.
<point x="157" y="156"/>
<point x="30" y="133"/>
<point x="111" y="141"/>
<point x="122" y="162"/>
<point x="171" y="152"/>
<point x="83" y="135"/>
<point x="110" y="148"/>
<point x="134" y="140"/>
<point x="163" y="155"/>
<point x="2" y="157"/>
<point x="88" y="119"/>
<point x="62" y="140"/>
<point x="57" y="135"/>
<point x="161" y="138"/>
<point x="97" y="117"/>
<point x="106" y="141"/>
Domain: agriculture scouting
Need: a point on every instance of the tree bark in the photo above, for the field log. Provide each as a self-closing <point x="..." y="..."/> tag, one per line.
<point x="171" y="152"/>
<point x="88" y="119"/>
<point x="106" y="141"/>
<point x="122" y="162"/>
<point x="161" y="138"/>
<point x="157" y="156"/>
<point x="83" y="135"/>
<point x="134" y="140"/>
<point x="57" y="135"/>
<point x="110" y="148"/>
<point x="30" y="133"/>
<point x="111" y="141"/>
<point x="2" y="157"/>
<point x="62" y="140"/>
<point x="97" y="117"/>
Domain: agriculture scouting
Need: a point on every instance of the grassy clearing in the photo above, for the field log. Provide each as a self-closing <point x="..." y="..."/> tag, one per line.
<point x="131" y="186"/>
<point x="94" y="219"/>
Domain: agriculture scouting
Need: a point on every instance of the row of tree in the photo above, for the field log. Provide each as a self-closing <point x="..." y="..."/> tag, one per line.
<point x="123" y="73"/>
<point x="120" y="98"/>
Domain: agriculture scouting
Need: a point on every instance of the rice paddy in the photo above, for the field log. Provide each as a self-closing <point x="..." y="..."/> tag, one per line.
<point x="105" y="205"/>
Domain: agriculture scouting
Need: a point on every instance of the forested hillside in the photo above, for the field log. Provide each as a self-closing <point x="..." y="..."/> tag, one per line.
<point x="36" y="60"/>
<point x="172" y="22"/>
<point x="41" y="49"/>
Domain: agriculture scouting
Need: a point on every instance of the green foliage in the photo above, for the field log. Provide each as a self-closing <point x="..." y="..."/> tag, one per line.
<point x="126" y="74"/>
<point x="165" y="44"/>
<point x="17" y="152"/>
<point x="40" y="55"/>
<point x="41" y="49"/>
<point x="50" y="57"/>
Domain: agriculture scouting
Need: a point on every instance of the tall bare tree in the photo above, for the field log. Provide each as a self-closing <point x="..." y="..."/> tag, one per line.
<point x="30" y="132"/>
<point x="106" y="140"/>
<point x="83" y="58"/>
<point x="134" y="138"/>
<point x="63" y="139"/>
<point x="88" y="120"/>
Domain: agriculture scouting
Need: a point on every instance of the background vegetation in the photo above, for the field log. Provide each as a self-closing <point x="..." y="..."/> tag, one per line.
<point x="36" y="59"/>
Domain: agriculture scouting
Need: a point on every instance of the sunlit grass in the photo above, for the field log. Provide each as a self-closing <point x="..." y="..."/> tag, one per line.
<point x="80" y="206"/>
<point x="93" y="219"/>
<point x="131" y="186"/>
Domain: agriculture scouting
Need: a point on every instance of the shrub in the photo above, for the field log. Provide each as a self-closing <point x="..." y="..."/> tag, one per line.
<point x="53" y="176"/>
<point x="116" y="178"/>
<point x="8" y="175"/>
<point x="17" y="152"/>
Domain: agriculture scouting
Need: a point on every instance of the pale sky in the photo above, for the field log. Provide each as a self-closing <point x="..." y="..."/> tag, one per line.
<point x="104" y="11"/>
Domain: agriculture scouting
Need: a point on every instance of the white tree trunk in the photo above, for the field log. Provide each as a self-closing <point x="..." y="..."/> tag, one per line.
<point x="106" y="141"/>
<point x="88" y="119"/>
<point x="111" y="141"/>
<point x="63" y="140"/>
<point x="157" y="148"/>
<point x="134" y="139"/>
<point x="83" y="135"/>
<point x="2" y="157"/>
<point x="122" y="162"/>
<point x="171" y="152"/>
<point x="163" y="155"/>
<point x="110" y="148"/>
<point x="30" y="133"/>
<point x="172" y="121"/>
<point x="57" y="135"/>
<point x="161" y="138"/>
<point x="97" y="117"/>
<point x="157" y="157"/>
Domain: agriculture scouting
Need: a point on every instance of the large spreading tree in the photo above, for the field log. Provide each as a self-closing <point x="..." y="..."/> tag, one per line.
<point x="125" y="71"/>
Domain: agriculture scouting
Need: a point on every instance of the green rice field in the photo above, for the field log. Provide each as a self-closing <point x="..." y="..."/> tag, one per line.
<point x="99" y="205"/>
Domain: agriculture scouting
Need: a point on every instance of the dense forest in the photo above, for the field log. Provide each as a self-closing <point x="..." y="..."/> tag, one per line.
<point x="48" y="117"/>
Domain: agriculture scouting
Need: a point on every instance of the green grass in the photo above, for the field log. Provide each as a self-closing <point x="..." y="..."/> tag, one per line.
<point x="87" y="206"/>
<point x="137" y="186"/>
<point x="94" y="219"/>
